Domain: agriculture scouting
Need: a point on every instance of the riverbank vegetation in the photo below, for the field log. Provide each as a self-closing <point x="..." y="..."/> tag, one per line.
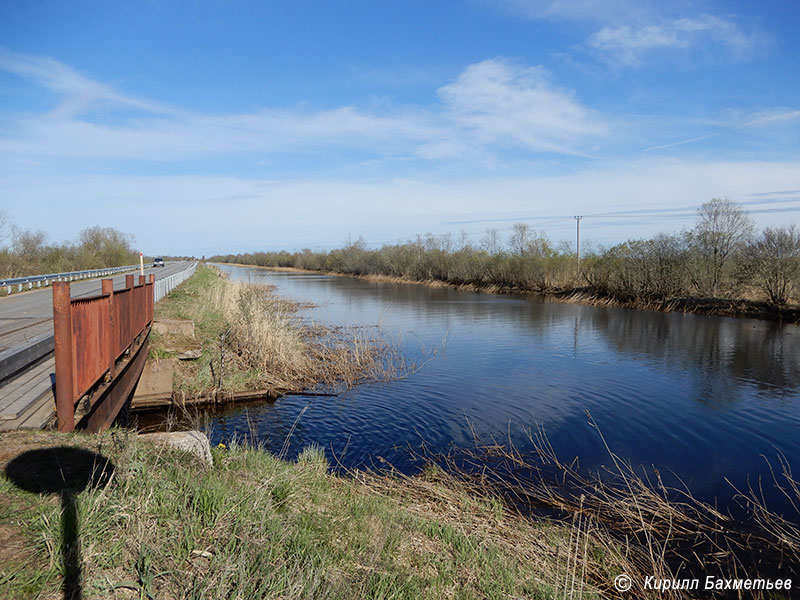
<point x="719" y="266"/>
<point x="162" y="524"/>
<point x="253" y="526"/>
<point x="668" y="534"/>
<point x="247" y="338"/>
<point x="25" y="253"/>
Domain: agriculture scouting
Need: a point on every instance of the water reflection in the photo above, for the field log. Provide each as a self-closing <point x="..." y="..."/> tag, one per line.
<point x="701" y="397"/>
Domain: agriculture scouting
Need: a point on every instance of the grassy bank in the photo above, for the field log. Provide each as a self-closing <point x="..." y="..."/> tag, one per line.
<point x="254" y="526"/>
<point x="248" y="338"/>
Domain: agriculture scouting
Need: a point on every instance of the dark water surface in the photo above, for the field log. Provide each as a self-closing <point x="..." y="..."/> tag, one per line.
<point x="705" y="398"/>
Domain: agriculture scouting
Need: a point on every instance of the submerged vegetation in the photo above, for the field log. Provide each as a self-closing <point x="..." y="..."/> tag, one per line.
<point x="250" y="339"/>
<point x="720" y="266"/>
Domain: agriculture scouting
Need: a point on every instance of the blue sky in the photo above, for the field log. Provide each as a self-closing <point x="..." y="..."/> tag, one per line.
<point x="236" y="126"/>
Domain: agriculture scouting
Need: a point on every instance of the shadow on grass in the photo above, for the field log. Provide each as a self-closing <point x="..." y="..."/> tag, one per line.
<point x="65" y="471"/>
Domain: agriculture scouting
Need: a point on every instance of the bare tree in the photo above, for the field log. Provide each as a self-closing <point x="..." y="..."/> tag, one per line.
<point x="464" y="243"/>
<point x="6" y="229"/>
<point x="519" y="238"/>
<point x="722" y="228"/>
<point x="491" y="241"/>
<point x="772" y="263"/>
<point x="105" y="246"/>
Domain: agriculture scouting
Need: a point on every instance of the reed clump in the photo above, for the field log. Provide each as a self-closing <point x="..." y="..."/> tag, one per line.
<point x="650" y="529"/>
<point x="253" y="339"/>
<point x="266" y="334"/>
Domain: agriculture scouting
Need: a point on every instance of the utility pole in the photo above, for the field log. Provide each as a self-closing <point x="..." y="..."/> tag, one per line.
<point x="578" y="235"/>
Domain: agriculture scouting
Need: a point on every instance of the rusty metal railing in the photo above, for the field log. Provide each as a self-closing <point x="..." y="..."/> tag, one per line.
<point x="92" y="335"/>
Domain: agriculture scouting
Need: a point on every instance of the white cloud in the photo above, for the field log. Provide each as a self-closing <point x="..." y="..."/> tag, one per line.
<point x="500" y="102"/>
<point x="631" y="45"/>
<point x="633" y="30"/>
<point x="492" y="103"/>
<point x="758" y="120"/>
<point x="80" y="93"/>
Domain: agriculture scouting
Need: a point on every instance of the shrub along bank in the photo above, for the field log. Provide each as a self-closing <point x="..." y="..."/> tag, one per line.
<point x="720" y="266"/>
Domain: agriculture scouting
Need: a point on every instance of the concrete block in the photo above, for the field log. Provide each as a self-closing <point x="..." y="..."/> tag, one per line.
<point x="174" y="327"/>
<point x="155" y="382"/>
<point x="194" y="442"/>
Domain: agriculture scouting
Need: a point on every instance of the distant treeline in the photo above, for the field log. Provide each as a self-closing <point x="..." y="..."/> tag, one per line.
<point x="721" y="257"/>
<point x="30" y="253"/>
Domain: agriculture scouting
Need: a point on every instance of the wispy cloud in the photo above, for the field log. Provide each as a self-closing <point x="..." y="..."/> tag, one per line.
<point x="606" y="11"/>
<point x="491" y="105"/>
<point x="630" y="46"/>
<point x="632" y="32"/>
<point x="753" y="120"/>
<point x="501" y="102"/>
<point x="79" y="93"/>
<point x="210" y="213"/>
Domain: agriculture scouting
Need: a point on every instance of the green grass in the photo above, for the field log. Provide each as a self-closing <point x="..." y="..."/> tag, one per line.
<point x="186" y="303"/>
<point x="254" y="526"/>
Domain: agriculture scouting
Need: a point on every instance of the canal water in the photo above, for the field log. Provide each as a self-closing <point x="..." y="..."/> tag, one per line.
<point x="702" y="399"/>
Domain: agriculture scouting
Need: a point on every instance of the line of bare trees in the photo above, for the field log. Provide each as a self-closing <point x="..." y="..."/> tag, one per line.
<point x="30" y="253"/>
<point x="722" y="256"/>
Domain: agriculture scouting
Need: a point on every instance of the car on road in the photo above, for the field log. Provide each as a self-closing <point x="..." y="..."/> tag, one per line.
<point x="158" y="262"/>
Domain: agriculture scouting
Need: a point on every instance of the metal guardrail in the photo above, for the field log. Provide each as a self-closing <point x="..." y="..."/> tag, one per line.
<point x="21" y="282"/>
<point x="165" y="285"/>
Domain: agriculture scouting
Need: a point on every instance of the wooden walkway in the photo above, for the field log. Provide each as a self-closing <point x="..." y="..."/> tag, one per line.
<point x="28" y="400"/>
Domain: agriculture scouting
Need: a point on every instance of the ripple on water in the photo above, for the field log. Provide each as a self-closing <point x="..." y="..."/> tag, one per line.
<point x="701" y="397"/>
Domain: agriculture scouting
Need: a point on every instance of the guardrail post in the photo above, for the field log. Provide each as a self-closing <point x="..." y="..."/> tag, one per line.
<point x="151" y="298"/>
<point x="62" y="329"/>
<point x="111" y="345"/>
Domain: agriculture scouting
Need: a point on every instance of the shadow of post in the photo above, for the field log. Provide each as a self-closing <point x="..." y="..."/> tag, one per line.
<point x="65" y="471"/>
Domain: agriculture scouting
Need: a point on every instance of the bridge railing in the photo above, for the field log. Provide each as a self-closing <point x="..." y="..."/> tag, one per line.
<point x="166" y="284"/>
<point x="21" y="283"/>
<point x="92" y="334"/>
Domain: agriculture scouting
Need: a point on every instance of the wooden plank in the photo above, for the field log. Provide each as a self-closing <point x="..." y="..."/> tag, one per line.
<point x="15" y="359"/>
<point x="41" y="414"/>
<point x="38" y="371"/>
<point x="25" y="399"/>
<point x="16" y="325"/>
<point x="38" y="416"/>
<point x="23" y="391"/>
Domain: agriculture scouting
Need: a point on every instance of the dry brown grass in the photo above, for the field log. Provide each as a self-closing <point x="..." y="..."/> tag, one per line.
<point x="254" y="339"/>
<point x="643" y="527"/>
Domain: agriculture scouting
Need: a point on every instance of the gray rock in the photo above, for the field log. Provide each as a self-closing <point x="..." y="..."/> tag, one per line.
<point x="194" y="442"/>
<point x="190" y="355"/>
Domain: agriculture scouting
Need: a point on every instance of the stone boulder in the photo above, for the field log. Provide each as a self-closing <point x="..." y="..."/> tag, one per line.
<point x="194" y="442"/>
